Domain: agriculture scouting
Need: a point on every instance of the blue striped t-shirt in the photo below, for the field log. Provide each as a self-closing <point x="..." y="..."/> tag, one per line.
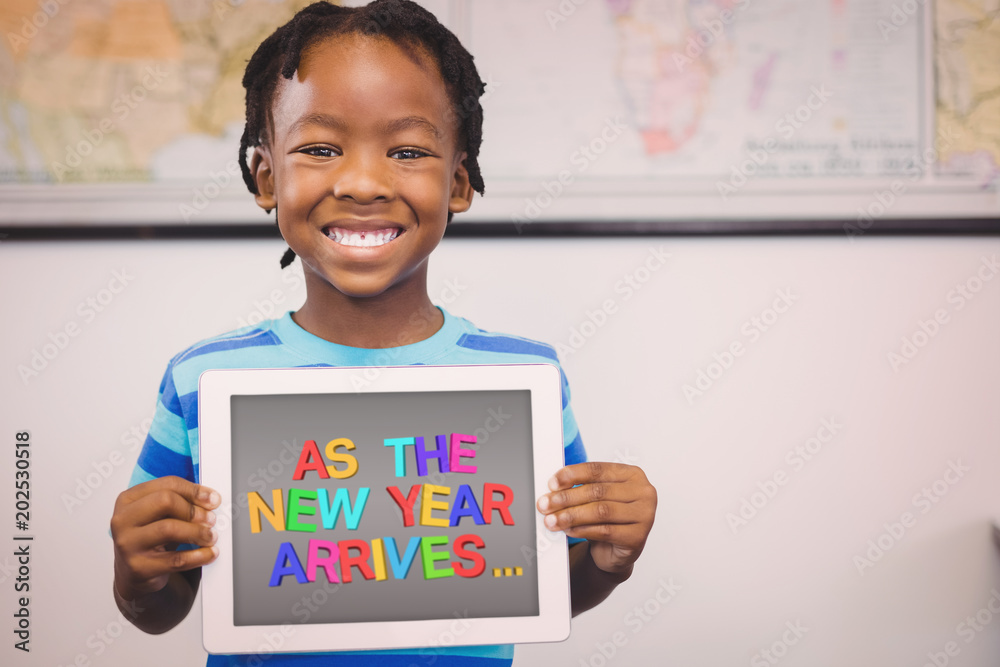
<point x="171" y="448"/>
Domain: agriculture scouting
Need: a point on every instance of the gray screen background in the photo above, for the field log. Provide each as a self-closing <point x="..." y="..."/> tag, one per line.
<point x="263" y="427"/>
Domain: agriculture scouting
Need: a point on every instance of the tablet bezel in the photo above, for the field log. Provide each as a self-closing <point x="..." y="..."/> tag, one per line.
<point x="215" y="389"/>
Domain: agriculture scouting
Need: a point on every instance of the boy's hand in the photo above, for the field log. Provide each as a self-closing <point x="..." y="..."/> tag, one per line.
<point x="613" y="508"/>
<point x="149" y="521"/>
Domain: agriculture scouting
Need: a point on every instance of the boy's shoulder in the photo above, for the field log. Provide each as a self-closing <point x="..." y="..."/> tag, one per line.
<point x="491" y="347"/>
<point x="483" y="340"/>
<point x="243" y="337"/>
<point x="249" y="346"/>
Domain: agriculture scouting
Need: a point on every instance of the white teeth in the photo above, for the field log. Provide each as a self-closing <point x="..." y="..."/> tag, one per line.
<point x="362" y="239"/>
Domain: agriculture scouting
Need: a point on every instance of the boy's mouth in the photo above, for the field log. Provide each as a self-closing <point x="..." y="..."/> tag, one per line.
<point x="364" y="238"/>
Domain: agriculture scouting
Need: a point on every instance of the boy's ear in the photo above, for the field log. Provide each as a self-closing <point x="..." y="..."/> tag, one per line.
<point x="461" y="189"/>
<point x="263" y="176"/>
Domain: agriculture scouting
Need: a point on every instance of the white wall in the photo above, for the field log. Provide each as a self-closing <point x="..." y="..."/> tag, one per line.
<point x="823" y="359"/>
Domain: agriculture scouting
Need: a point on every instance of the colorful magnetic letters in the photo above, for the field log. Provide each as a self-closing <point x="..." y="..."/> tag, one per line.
<point x="379" y="559"/>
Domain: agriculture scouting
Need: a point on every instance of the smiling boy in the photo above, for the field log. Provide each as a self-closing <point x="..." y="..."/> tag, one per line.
<point x="329" y="171"/>
<point x="364" y="148"/>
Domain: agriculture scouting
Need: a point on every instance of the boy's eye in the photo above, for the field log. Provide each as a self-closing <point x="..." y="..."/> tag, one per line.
<point x="320" y="151"/>
<point x="408" y="154"/>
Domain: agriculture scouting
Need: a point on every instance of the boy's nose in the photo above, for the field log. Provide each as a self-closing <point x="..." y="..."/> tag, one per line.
<point x="362" y="178"/>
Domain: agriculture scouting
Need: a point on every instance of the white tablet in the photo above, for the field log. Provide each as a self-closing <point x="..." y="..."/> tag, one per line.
<point x="382" y="507"/>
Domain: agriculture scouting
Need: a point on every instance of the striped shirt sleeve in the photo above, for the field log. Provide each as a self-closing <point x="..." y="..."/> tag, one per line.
<point x="167" y="449"/>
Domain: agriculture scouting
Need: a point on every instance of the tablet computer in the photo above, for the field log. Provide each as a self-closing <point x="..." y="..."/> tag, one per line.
<point x="382" y="507"/>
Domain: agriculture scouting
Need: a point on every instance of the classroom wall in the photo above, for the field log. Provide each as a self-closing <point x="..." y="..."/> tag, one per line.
<point x="707" y="591"/>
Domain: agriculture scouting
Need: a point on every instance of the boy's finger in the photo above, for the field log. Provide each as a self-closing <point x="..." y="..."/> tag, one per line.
<point x="179" y="561"/>
<point x="585" y="493"/>
<point x="592" y="471"/>
<point x="603" y="512"/>
<point x="161" y="504"/>
<point x="627" y="536"/>
<point x="193" y="492"/>
<point x="168" y="531"/>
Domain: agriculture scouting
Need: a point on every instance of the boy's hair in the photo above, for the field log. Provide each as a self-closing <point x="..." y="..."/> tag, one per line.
<point x="407" y="24"/>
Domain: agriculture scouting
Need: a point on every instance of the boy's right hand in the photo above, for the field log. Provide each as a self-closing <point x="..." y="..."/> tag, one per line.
<point x="149" y="521"/>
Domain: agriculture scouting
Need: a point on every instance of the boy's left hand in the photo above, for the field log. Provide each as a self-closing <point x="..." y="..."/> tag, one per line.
<point x="613" y="508"/>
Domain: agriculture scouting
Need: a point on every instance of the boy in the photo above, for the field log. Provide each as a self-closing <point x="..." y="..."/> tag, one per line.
<point x="365" y="146"/>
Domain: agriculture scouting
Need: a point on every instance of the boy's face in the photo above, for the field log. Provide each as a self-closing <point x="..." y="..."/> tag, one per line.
<point x="362" y="165"/>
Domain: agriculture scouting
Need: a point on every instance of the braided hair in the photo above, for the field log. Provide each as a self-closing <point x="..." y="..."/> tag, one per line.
<point x="404" y="22"/>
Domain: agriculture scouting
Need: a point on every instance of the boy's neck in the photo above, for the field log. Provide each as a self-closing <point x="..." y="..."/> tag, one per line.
<point x="386" y="320"/>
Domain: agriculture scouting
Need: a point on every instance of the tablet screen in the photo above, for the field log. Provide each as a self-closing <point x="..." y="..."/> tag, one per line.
<point x="382" y="507"/>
